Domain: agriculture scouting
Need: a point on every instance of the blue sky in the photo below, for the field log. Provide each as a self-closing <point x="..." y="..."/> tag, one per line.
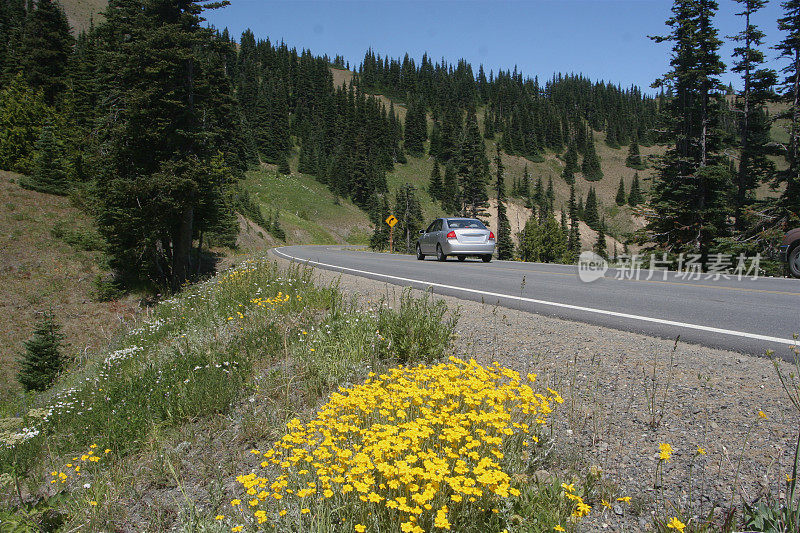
<point x="603" y="39"/>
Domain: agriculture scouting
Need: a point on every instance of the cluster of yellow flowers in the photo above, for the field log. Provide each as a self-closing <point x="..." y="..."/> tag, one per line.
<point x="414" y="447"/>
<point x="74" y="468"/>
<point x="581" y="508"/>
<point x="280" y="298"/>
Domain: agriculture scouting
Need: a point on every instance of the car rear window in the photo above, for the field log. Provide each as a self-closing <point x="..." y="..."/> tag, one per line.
<point x="464" y="223"/>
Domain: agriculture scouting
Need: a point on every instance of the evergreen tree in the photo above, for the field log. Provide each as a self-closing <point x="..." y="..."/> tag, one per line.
<point x="600" y="245"/>
<point x="42" y="361"/>
<point x="435" y="187"/>
<point x="754" y="165"/>
<point x="505" y="246"/>
<point x="635" y="195"/>
<point x="591" y="162"/>
<point x="416" y="129"/>
<point x="634" y="159"/>
<point x="22" y="114"/>
<point x="378" y="213"/>
<point x="570" y="164"/>
<point x="49" y="173"/>
<point x="451" y="197"/>
<point x="621" y="196"/>
<point x="590" y="213"/>
<point x="408" y="211"/>
<point x="46" y="47"/>
<point x="539" y="197"/>
<point x="488" y="125"/>
<point x="473" y="167"/>
<point x="162" y="131"/>
<point x="530" y="239"/>
<point x="550" y="195"/>
<point x="788" y="213"/>
<point x="553" y="241"/>
<point x="283" y="165"/>
<point x="525" y="185"/>
<point x="690" y="188"/>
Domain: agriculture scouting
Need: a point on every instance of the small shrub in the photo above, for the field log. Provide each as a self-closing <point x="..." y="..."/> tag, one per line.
<point x="42" y="361"/>
<point x="106" y="288"/>
<point x="417" y="331"/>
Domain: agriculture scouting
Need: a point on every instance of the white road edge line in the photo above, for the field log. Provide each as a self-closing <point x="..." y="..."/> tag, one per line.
<point x="755" y="336"/>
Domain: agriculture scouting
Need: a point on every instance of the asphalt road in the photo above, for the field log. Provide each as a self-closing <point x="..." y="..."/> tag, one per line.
<point x="744" y="315"/>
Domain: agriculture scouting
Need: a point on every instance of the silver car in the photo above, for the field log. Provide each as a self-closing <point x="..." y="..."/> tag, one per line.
<point x="456" y="236"/>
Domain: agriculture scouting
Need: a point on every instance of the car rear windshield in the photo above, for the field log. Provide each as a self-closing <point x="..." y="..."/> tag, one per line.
<point x="463" y="223"/>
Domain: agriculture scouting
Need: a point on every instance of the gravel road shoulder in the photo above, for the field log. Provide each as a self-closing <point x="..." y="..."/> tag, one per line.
<point x="611" y="417"/>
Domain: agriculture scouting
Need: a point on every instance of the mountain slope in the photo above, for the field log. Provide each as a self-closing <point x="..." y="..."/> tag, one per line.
<point x="50" y="260"/>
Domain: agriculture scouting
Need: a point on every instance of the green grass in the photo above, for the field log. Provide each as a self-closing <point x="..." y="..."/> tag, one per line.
<point x="309" y="212"/>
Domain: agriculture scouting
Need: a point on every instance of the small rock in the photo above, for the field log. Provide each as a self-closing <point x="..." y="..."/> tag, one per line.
<point x="618" y="510"/>
<point x="542" y="476"/>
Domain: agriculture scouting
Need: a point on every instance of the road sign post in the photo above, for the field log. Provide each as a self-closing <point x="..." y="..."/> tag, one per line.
<point x="391" y="220"/>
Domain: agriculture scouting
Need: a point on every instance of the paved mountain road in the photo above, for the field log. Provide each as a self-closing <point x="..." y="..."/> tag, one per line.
<point x="747" y="316"/>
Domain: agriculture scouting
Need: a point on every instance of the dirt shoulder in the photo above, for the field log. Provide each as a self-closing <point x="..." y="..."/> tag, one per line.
<point x="617" y="409"/>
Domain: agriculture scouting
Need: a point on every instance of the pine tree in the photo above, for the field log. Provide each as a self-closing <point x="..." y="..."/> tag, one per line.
<point x="283" y="165"/>
<point x="22" y="114"/>
<point x="408" y="211"/>
<point x="451" y="196"/>
<point x="530" y="240"/>
<point x="505" y="246"/>
<point x="591" y="162"/>
<point x="416" y="129"/>
<point x="553" y="243"/>
<point x="46" y="46"/>
<point x="435" y="187"/>
<point x="473" y="167"/>
<point x="635" y="195"/>
<point x="525" y="185"/>
<point x="42" y="361"/>
<point x="600" y="245"/>
<point x="621" y="196"/>
<point x="49" y="173"/>
<point x="378" y="213"/>
<point x="590" y="212"/>
<point x="570" y="164"/>
<point x="690" y="191"/>
<point x="488" y="124"/>
<point x="754" y="165"/>
<point x="634" y="159"/>
<point x="162" y="130"/>
<point x="789" y="47"/>
<point x="550" y="195"/>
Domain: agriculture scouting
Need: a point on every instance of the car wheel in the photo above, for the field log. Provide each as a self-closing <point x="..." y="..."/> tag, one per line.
<point x="794" y="261"/>
<point x="486" y="258"/>
<point x="440" y="255"/>
<point x="420" y="255"/>
<point x="462" y="257"/>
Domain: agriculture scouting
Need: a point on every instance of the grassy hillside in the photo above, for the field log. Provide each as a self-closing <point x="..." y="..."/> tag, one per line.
<point x="50" y="260"/>
<point x="309" y="213"/>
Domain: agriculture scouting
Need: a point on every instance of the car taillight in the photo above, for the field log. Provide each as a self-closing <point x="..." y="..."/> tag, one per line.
<point x="451" y="235"/>
<point x="491" y="236"/>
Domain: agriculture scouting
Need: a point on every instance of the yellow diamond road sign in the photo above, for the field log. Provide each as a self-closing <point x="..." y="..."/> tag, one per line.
<point x="392" y="220"/>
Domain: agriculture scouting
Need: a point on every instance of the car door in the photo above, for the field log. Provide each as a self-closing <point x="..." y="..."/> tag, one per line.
<point x="436" y="235"/>
<point x="426" y="239"/>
